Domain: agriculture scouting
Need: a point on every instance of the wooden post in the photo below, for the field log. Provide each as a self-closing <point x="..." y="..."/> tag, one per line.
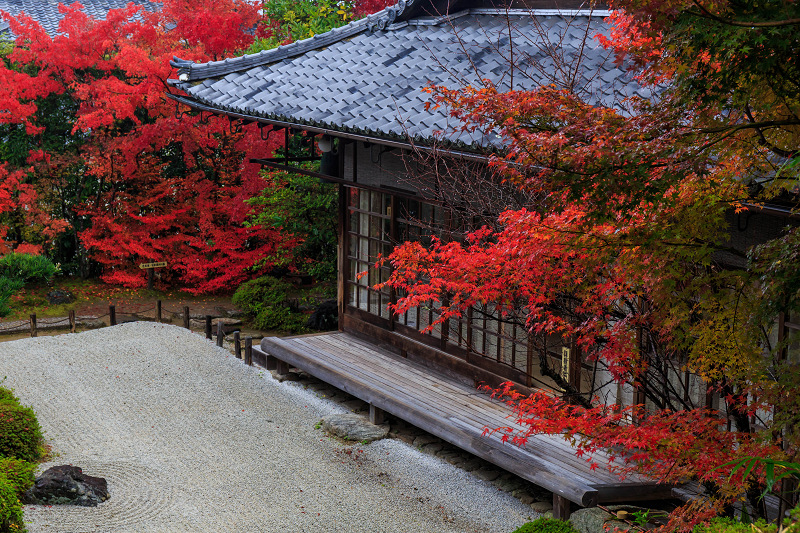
<point x="271" y="363"/>
<point x="158" y="311"/>
<point x="282" y="367"/>
<point x="561" y="507"/>
<point x="186" y="317"/>
<point x="237" y="345"/>
<point x="112" y="315"/>
<point x="220" y="334"/>
<point x="208" y="326"/>
<point x="34" y="333"/>
<point x="375" y="415"/>
<point x="72" y="321"/>
<point x="150" y="276"/>
<point x="248" y="351"/>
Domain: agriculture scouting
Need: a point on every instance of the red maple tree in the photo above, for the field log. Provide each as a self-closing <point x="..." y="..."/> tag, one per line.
<point x="620" y="247"/>
<point x="135" y="179"/>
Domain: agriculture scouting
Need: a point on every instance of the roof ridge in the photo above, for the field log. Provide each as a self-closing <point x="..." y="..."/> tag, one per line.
<point x="189" y="70"/>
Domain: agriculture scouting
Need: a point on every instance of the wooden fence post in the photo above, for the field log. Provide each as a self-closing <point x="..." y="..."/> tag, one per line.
<point x="220" y="334"/>
<point x="237" y="345"/>
<point x="72" y="321"/>
<point x="33" y="325"/>
<point x="248" y="351"/>
<point x="186" y="317"/>
<point x="158" y="311"/>
<point x="208" y="326"/>
<point x="112" y="315"/>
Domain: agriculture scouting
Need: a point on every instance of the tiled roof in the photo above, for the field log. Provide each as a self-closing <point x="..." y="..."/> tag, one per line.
<point x="367" y="77"/>
<point x="46" y="13"/>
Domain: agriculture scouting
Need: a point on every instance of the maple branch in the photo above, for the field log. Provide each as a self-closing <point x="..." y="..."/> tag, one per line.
<point x="762" y="140"/>
<point x="751" y="125"/>
<point x="774" y="24"/>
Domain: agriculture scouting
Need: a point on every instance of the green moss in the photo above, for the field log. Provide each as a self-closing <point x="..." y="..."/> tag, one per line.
<point x="20" y="434"/>
<point x="546" y="525"/>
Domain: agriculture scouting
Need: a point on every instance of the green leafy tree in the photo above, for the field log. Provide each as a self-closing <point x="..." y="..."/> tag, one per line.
<point x="306" y="208"/>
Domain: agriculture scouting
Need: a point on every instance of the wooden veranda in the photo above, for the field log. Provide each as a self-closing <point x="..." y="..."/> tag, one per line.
<point x="454" y="412"/>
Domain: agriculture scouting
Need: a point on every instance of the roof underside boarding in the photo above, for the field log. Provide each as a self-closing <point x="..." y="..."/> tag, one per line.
<point x="369" y="81"/>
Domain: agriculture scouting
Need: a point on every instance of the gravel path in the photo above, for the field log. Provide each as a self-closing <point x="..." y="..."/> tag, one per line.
<point x="190" y="439"/>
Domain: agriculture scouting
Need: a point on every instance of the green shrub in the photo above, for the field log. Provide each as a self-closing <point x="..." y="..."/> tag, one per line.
<point x="546" y="525"/>
<point x="8" y="287"/>
<point x="281" y="317"/>
<point x="306" y="208"/>
<point x="20" y="434"/>
<point x="18" y="472"/>
<point x="10" y="508"/>
<point x="261" y="293"/>
<point x="7" y="396"/>
<point x="26" y="268"/>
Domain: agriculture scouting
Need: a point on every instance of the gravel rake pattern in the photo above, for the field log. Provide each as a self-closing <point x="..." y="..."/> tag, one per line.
<point x="191" y="439"/>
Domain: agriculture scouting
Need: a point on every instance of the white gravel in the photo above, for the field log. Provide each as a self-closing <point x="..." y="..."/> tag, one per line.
<point x="191" y="439"/>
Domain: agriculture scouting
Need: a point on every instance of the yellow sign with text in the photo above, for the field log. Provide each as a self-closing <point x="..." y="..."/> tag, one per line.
<point x="152" y="265"/>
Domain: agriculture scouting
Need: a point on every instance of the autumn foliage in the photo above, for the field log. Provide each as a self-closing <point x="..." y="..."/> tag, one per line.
<point x="104" y="166"/>
<point x="623" y="250"/>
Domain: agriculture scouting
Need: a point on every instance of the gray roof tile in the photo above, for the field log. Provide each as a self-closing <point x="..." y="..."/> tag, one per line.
<point x="361" y="80"/>
<point x="46" y="12"/>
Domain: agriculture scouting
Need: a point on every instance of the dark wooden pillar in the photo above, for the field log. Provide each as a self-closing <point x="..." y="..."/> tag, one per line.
<point x="561" y="507"/>
<point x="375" y="415"/>
<point x="248" y="350"/>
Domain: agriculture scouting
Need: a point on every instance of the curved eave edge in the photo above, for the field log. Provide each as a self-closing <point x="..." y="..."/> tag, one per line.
<point x="429" y="144"/>
<point x="189" y="70"/>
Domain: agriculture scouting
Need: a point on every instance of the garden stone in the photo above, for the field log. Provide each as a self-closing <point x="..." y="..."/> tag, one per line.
<point x="542" y="507"/>
<point x="353" y="427"/>
<point x="596" y="520"/>
<point x="60" y="296"/>
<point x="67" y="485"/>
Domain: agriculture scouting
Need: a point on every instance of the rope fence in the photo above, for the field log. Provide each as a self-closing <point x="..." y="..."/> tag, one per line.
<point x="34" y="324"/>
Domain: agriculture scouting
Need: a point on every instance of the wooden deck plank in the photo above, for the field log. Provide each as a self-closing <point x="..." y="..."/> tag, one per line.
<point x="507" y="457"/>
<point x="454" y="412"/>
<point x="486" y="412"/>
<point x="570" y="466"/>
<point x="557" y="448"/>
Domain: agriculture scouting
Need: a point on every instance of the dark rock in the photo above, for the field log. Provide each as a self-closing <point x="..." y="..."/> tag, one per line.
<point x="67" y="485"/>
<point x="325" y="316"/>
<point x="60" y="296"/>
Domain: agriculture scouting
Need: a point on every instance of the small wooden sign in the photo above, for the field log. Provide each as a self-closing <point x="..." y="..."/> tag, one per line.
<point x="152" y="265"/>
<point x="565" y="362"/>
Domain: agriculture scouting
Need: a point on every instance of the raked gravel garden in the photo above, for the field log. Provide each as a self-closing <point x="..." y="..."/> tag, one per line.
<point x="191" y="439"/>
